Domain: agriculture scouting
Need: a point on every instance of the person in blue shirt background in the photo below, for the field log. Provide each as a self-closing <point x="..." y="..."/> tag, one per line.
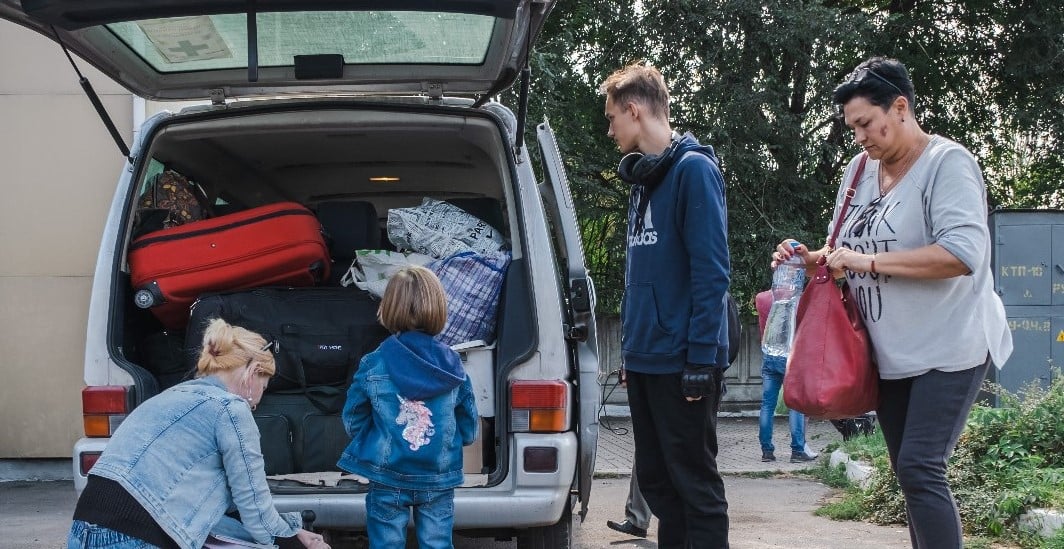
<point x="409" y="412"/>
<point x="772" y="370"/>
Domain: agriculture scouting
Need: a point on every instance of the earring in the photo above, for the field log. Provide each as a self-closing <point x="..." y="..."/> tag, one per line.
<point x="247" y="393"/>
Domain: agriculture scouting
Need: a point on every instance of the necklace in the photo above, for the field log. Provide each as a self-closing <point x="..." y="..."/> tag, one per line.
<point x="914" y="153"/>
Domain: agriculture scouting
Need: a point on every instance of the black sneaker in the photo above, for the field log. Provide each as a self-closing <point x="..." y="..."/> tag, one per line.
<point x="768" y="456"/>
<point x="801" y="457"/>
<point x="627" y="527"/>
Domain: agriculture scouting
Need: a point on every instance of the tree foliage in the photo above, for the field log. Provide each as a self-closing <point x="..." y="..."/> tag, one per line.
<point x="753" y="78"/>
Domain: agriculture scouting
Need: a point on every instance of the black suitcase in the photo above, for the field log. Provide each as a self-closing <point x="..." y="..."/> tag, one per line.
<point x="321" y="333"/>
<point x="165" y="356"/>
<point x="297" y="436"/>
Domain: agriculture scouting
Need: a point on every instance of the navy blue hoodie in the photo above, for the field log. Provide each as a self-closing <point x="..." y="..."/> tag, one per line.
<point x="409" y="412"/>
<point x="677" y="268"/>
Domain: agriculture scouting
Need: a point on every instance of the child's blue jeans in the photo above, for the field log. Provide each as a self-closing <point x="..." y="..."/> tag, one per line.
<point x="388" y="511"/>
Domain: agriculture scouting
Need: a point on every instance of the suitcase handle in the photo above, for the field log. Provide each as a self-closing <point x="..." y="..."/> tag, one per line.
<point x="319" y="271"/>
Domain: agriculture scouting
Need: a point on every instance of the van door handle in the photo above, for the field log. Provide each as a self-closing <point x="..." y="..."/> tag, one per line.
<point x="575" y="333"/>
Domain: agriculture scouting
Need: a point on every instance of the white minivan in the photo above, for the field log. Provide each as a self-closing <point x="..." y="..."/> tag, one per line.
<point x="385" y="103"/>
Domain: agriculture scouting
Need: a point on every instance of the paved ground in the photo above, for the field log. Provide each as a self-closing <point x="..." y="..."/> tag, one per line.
<point x="738" y="448"/>
<point x="774" y="512"/>
<point x="764" y="513"/>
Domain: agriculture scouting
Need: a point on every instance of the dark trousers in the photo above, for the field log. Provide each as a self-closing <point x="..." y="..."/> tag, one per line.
<point x="922" y="417"/>
<point x="676" y="461"/>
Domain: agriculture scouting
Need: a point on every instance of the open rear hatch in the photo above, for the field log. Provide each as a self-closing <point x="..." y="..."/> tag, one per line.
<point x="180" y="50"/>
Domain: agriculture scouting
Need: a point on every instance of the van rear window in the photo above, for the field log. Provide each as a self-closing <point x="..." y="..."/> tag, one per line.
<point x="207" y="42"/>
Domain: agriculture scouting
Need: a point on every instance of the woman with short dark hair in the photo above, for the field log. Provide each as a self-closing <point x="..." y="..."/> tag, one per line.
<point x="915" y="249"/>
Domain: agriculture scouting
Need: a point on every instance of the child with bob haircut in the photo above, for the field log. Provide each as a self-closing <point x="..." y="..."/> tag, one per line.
<point x="409" y="412"/>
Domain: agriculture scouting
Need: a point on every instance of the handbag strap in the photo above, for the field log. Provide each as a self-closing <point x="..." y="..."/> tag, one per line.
<point x="849" y="193"/>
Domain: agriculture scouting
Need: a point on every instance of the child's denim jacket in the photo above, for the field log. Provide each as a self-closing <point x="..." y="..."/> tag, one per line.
<point x="409" y="412"/>
<point x="189" y="455"/>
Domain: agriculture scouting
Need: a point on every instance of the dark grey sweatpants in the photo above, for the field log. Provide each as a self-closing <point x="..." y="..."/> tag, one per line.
<point x="922" y="417"/>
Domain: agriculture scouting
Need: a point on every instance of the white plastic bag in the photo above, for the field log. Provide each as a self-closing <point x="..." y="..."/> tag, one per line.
<point x="371" y="269"/>
<point x="441" y="230"/>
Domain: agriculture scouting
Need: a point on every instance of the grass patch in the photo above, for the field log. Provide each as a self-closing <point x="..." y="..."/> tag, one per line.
<point x="847" y="506"/>
<point x="759" y="474"/>
<point x="834" y="477"/>
<point x="1010" y="459"/>
<point x="866" y="448"/>
<point x="1055" y="542"/>
<point x="980" y="542"/>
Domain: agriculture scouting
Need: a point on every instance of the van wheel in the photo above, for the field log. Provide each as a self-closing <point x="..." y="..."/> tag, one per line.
<point x="558" y="535"/>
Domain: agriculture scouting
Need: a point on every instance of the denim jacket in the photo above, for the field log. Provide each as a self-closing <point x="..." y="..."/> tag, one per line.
<point x="189" y="455"/>
<point x="409" y="412"/>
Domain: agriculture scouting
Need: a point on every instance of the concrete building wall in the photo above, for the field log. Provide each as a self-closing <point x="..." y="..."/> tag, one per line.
<point x="58" y="169"/>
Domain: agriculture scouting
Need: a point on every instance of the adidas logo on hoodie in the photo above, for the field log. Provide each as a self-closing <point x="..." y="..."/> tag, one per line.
<point x="648" y="237"/>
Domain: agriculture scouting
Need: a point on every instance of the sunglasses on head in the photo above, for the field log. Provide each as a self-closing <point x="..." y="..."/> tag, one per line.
<point x="862" y="221"/>
<point x="270" y="345"/>
<point x="859" y="76"/>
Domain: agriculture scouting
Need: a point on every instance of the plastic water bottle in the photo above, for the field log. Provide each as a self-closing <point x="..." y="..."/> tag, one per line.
<point x="787" y="283"/>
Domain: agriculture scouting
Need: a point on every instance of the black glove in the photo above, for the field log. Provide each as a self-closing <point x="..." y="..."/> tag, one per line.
<point x="698" y="380"/>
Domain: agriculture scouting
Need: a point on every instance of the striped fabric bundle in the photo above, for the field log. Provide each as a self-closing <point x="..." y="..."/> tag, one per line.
<point x="472" y="283"/>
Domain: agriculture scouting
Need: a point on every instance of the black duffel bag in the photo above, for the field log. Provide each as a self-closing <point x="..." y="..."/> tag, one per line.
<point x="321" y="334"/>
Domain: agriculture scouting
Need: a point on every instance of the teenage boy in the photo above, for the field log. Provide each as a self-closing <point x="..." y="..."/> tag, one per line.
<point x="674" y="322"/>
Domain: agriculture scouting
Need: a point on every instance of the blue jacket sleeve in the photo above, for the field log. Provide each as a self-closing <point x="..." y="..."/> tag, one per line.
<point x="465" y="413"/>
<point x="245" y="471"/>
<point x="702" y="215"/>
<point x="358" y="411"/>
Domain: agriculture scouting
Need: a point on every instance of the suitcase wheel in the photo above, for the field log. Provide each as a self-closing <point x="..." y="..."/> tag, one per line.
<point x="148" y="296"/>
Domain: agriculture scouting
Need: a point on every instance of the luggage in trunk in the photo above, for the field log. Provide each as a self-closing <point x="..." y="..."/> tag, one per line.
<point x="321" y="333"/>
<point x="276" y="244"/>
<point x="297" y="436"/>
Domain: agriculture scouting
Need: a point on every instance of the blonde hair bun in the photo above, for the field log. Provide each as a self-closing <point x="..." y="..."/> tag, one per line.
<point x="227" y="347"/>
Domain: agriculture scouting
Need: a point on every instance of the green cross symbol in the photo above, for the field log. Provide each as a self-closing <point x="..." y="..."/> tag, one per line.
<point x="189" y="49"/>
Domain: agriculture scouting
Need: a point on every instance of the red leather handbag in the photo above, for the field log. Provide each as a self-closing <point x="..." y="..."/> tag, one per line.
<point x="830" y="371"/>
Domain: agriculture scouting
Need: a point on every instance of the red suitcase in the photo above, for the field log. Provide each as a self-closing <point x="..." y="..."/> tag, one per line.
<point x="276" y="244"/>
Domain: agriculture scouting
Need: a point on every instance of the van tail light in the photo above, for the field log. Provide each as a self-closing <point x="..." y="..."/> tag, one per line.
<point x="103" y="408"/>
<point x="539" y="406"/>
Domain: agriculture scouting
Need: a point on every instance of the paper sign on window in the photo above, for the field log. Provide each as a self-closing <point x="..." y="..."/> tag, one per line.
<point x="184" y="39"/>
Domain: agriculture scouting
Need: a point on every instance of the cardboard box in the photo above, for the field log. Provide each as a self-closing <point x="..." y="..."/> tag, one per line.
<point x="473" y="455"/>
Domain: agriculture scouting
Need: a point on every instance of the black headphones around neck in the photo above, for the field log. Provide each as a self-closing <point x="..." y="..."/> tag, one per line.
<point x="648" y="169"/>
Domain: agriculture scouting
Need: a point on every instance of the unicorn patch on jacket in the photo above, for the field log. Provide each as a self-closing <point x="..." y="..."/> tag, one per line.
<point x="417" y="418"/>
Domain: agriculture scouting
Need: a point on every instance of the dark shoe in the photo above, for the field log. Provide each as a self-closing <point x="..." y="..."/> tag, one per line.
<point x="768" y="456"/>
<point x="627" y="527"/>
<point x="801" y="457"/>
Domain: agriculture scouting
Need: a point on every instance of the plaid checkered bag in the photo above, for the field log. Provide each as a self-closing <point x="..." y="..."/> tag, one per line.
<point x="472" y="283"/>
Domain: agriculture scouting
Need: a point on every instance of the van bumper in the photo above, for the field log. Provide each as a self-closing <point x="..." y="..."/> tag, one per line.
<point x="521" y="500"/>
<point x="474" y="508"/>
<point x="81" y="447"/>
